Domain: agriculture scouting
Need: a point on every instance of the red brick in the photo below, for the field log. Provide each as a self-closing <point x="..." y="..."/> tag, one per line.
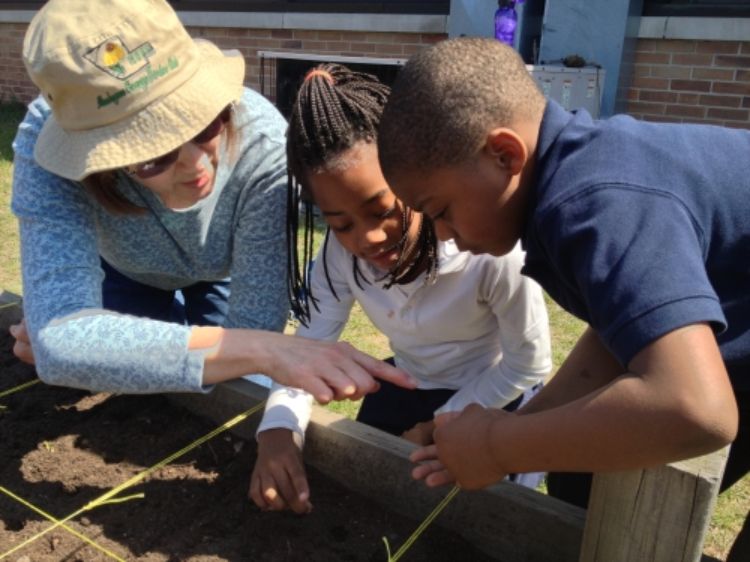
<point x="650" y="83"/>
<point x="646" y="108"/>
<point x="733" y="61"/>
<point x="737" y="124"/>
<point x="305" y="34"/>
<point x="737" y="88"/>
<point x="730" y="114"/>
<point x="746" y="101"/>
<point x="641" y="70"/>
<point x="389" y="49"/>
<point x="745" y="49"/>
<point x="687" y="99"/>
<point x="692" y="59"/>
<point x="662" y="119"/>
<point x="363" y="47"/>
<point x="691" y="85"/>
<point x="291" y="44"/>
<point x="329" y="35"/>
<point x="282" y="34"/>
<point x="743" y="76"/>
<point x="675" y="46"/>
<point x="720" y="101"/>
<point x="646" y="45"/>
<point x="680" y="72"/>
<point x="657" y="96"/>
<point x="692" y="111"/>
<point x="723" y="47"/>
<point x="314" y="46"/>
<point x="712" y="74"/>
<point x="651" y="58"/>
<point x="433" y="37"/>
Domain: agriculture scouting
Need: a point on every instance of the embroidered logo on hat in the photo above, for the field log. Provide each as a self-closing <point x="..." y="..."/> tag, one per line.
<point x="113" y="57"/>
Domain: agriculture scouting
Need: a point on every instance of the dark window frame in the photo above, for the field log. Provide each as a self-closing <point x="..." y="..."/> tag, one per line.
<point x="697" y="8"/>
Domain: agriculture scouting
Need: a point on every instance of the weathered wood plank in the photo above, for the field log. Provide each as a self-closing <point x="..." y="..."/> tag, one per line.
<point x="506" y="521"/>
<point x="653" y="515"/>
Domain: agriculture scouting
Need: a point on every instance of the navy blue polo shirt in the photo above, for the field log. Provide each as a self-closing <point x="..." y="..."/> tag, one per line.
<point x="641" y="228"/>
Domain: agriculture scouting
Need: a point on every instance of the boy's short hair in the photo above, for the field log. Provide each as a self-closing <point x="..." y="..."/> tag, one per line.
<point x="447" y="97"/>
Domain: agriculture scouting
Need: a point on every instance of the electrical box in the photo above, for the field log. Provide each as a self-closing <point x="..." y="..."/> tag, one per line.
<point x="573" y="88"/>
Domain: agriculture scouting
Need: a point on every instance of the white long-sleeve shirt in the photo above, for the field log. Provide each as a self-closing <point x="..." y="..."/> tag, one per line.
<point x="480" y="328"/>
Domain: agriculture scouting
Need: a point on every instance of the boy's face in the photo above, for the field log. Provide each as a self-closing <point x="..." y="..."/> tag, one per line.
<point x="476" y="203"/>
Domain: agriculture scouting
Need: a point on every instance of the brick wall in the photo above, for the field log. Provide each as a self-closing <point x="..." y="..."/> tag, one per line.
<point x="14" y="82"/>
<point x="15" y="85"/>
<point x="685" y="81"/>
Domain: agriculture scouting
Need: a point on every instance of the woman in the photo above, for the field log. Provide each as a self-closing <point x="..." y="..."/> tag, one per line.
<point x="143" y="170"/>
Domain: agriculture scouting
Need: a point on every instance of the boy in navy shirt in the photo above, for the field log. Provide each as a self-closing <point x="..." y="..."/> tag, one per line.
<point x="640" y="229"/>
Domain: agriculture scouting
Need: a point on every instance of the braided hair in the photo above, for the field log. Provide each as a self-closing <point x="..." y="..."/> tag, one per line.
<point x="335" y="109"/>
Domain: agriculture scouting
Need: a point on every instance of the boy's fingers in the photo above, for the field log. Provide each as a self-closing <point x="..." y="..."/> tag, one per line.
<point x="439" y="478"/>
<point x="424" y="454"/>
<point x="422" y="471"/>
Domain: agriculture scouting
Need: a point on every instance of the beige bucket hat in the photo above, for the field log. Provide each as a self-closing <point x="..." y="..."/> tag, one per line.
<point x="125" y="81"/>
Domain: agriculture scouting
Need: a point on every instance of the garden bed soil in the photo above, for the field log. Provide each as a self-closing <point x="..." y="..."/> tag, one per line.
<point x="61" y="448"/>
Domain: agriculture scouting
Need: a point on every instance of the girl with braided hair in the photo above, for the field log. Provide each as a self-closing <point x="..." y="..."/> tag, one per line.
<point x="468" y="328"/>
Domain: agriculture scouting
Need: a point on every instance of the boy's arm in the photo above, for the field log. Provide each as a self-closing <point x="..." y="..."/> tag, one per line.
<point x="675" y="402"/>
<point x="588" y="366"/>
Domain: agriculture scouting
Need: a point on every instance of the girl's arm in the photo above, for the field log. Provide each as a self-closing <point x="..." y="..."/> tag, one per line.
<point x="518" y="305"/>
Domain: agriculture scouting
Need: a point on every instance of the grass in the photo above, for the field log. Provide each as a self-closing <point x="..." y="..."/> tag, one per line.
<point x="10" y="275"/>
<point x="731" y="506"/>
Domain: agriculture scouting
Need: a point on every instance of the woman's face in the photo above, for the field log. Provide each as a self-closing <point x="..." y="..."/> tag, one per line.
<point x="190" y="178"/>
<point x="360" y="207"/>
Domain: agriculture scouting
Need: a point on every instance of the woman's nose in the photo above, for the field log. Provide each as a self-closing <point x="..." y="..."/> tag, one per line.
<point x="191" y="154"/>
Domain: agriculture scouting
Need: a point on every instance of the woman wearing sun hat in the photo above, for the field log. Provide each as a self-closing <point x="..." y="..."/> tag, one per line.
<point x="145" y="169"/>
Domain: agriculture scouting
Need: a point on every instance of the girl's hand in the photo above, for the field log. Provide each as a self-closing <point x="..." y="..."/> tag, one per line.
<point x="278" y="481"/>
<point x="421" y="433"/>
<point x="22" y="347"/>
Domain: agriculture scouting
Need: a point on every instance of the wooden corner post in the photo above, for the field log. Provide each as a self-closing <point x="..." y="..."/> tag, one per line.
<point x="654" y="515"/>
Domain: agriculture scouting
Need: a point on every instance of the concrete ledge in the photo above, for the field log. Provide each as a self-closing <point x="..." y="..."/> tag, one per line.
<point x="506" y="521"/>
<point x="396" y="23"/>
<point x="705" y="29"/>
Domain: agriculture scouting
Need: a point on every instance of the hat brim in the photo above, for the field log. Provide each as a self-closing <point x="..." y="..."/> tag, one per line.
<point x="162" y="126"/>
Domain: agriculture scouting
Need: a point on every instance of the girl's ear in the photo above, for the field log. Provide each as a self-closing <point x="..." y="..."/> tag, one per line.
<point x="507" y="148"/>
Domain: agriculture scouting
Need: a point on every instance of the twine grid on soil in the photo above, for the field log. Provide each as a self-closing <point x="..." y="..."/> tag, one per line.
<point x="108" y="498"/>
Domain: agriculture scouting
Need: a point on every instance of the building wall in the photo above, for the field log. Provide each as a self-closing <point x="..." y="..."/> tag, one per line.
<point x="14" y="82"/>
<point x="16" y="86"/>
<point x="691" y="81"/>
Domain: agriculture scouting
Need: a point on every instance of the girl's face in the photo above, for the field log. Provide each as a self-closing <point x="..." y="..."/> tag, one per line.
<point x="360" y="207"/>
<point x="190" y="178"/>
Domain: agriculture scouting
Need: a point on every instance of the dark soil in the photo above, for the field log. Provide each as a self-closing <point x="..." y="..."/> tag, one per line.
<point x="61" y="448"/>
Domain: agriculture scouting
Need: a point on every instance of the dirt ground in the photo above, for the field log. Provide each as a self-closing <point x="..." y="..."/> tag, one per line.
<point x="61" y="448"/>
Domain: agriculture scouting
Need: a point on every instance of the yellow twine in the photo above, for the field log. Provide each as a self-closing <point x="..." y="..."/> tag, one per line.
<point x="8" y="305"/>
<point x="419" y="530"/>
<point x="108" y="497"/>
<point x="51" y="518"/>
<point x="18" y="388"/>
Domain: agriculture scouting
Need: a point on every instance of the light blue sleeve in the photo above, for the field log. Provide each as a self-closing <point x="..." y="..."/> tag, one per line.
<point x="258" y="297"/>
<point x="75" y="342"/>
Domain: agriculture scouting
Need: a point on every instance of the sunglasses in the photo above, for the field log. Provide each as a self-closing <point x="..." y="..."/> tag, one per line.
<point x="159" y="165"/>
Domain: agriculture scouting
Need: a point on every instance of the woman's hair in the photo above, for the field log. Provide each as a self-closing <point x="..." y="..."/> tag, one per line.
<point x="335" y="109"/>
<point x="102" y="186"/>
